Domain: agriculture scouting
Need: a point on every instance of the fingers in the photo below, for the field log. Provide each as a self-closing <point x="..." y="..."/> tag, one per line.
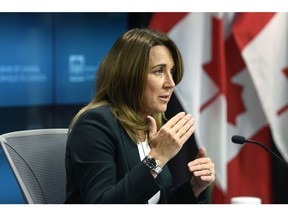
<point x="203" y="171"/>
<point x="181" y="125"/>
<point x="175" y="119"/>
<point x="178" y="121"/>
<point x="202" y="167"/>
<point x="169" y="139"/>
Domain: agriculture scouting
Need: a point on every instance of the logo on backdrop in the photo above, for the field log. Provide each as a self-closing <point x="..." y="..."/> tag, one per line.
<point x="78" y="70"/>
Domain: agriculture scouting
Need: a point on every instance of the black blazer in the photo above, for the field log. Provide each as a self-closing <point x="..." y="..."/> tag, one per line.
<point x="103" y="166"/>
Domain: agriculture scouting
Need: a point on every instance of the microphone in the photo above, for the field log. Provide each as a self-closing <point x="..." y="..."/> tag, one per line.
<point x="240" y="140"/>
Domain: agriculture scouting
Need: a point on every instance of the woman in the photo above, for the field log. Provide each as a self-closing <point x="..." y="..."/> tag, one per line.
<point x="119" y="144"/>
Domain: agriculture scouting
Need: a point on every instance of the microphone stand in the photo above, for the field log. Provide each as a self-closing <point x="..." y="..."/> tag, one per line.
<point x="271" y="152"/>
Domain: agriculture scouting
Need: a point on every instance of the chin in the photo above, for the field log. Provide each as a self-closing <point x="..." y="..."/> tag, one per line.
<point x="162" y="110"/>
<point x="159" y="109"/>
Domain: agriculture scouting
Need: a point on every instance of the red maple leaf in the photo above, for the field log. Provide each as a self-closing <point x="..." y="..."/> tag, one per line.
<point x="226" y="61"/>
<point x="285" y="71"/>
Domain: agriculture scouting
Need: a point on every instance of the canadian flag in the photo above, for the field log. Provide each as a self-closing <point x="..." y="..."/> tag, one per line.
<point x="230" y="86"/>
<point x="266" y="57"/>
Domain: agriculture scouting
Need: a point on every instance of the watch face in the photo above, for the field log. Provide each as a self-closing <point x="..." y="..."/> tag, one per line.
<point x="151" y="164"/>
<point x="153" y="161"/>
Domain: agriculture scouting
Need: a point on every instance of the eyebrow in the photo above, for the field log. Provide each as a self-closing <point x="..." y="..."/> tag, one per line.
<point x="163" y="65"/>
<point x="160" y="65"/>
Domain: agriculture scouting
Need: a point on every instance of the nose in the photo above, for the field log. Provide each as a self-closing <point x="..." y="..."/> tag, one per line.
<point x="169" y="81"/>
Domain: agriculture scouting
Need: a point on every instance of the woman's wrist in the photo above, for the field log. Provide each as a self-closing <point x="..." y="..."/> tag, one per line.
<point x="195" y="187"/>
<point x="159" y="160"/>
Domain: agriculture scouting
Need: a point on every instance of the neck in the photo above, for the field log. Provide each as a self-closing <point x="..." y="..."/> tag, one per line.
<point x="142" y="136"/>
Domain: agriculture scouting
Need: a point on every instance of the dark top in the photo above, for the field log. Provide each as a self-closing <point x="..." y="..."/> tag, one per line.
<point x="103" y="166"/>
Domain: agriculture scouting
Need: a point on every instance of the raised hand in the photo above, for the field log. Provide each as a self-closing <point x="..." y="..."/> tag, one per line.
<point x="168" y="141"/>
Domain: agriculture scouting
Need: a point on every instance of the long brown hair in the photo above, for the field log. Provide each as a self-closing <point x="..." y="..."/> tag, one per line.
<point x="122" y="76"/>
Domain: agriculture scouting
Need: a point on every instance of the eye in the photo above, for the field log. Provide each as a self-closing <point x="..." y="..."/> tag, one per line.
<point x="158" y="71"/>
<point x="173" y="71"/>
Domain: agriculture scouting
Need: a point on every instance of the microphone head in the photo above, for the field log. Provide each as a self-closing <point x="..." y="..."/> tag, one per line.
<point x="238" y="139"/>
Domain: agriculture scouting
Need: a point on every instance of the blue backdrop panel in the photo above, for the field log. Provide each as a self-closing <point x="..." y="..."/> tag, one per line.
<point x="49" y="59"/>
<point x="25" y="59"/>
<point x="82" y="41"/>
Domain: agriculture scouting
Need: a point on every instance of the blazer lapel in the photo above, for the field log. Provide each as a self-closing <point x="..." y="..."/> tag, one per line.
<point x="130" y="148"/>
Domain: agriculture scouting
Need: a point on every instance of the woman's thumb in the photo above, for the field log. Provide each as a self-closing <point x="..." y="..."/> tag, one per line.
<point x="153" y="125"/>
<point x="201" y="152"/>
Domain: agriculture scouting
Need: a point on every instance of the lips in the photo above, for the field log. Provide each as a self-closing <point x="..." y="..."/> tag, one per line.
<point x="165" y="98"/>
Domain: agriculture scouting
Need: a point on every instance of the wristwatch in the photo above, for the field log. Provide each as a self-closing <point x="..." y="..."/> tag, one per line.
<point x="152" y="164"/>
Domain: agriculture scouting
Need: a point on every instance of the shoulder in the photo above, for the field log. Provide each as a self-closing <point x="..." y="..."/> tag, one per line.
<point x="97" y="116"/>
<point x="95" y="129"/>
<point x="98" y="121"/>
<point x="104" y="111"/>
